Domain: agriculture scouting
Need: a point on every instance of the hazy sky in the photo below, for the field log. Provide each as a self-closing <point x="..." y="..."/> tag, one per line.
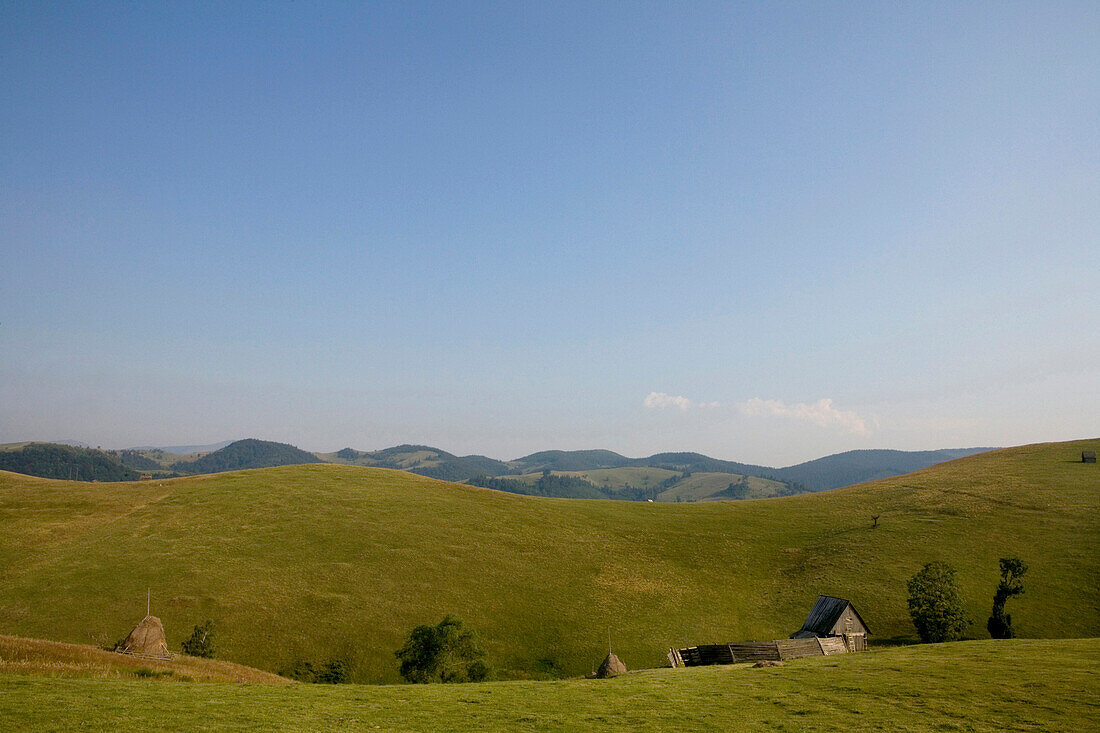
<point x="762" y="231"/>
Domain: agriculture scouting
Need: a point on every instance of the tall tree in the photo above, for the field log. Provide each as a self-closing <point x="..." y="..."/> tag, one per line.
<point x="935" y="604"/>
<point x="1000" y="623"/>
<point x="446" y="652"/>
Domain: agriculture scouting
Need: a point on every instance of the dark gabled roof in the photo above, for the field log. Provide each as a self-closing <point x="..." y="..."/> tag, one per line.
<point x="824" y="615"/>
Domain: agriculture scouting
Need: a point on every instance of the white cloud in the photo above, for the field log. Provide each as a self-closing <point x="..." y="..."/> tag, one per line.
<point x="820" y="413"/>
<point x="660" y="400"/>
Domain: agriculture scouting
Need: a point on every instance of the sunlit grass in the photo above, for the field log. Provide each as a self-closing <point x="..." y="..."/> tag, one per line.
<point x="1018" y="685"/>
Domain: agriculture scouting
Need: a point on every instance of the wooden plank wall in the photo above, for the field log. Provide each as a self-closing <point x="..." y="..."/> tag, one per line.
<point x="797" y="648"/>
<point x="755" y="651"/>
<point x="695" y="656"/>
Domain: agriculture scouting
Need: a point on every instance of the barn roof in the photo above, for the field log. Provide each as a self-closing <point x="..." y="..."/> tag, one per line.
<point x="824" y="615"/>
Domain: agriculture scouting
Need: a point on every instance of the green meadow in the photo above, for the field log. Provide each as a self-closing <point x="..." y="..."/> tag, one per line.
<point x="320" y="562"/>
<point x="1014" y="685"/>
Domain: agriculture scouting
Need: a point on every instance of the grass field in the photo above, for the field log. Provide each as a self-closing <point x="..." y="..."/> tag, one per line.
<point x="1016" y="685"/>
<point x="320" y="561"/>
<point x="56" y="659"/>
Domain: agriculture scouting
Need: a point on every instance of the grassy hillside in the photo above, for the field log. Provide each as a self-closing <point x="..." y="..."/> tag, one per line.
<point x="55" y="659"/>
<point x="320" y="561"/>
<point x="704" y="486"/>
<point x="1015" y="685"/>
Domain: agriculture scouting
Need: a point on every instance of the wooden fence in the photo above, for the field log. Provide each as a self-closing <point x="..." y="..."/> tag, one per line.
<point x="755" y="651"/>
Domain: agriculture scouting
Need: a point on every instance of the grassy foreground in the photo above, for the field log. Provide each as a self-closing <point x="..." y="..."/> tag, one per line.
<point x="1017" y="685"/>
<point x="319" y="562"/>
<point x="56" y="659"/>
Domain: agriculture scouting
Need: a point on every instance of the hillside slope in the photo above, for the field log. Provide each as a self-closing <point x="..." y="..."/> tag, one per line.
<point x="57" y="659"/>
<point x="321" y="561"/>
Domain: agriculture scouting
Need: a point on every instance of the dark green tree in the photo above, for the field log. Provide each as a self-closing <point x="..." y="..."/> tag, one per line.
<point x="1000" y="623"/>
<point x="201" y="641"/>
<point x="446" y="652"/>
<point x="935" y="605"/>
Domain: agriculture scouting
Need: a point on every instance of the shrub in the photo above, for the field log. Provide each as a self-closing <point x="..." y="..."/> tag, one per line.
<point x="935" y="605"/>
<point x="333" y="672"/>
<point x="302" y="671"/>
<point x="447" y="652"/>
<point x="201" y="641"/>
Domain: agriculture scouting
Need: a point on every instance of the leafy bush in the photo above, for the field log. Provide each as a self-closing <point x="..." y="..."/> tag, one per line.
<point x="447" y="652"/>
<point x="201" y="641"/>
<point x="301" y="670"/>
<point x="331" y="672"/>
<point x="146" y="673"/>
<point x="935" y="605"/>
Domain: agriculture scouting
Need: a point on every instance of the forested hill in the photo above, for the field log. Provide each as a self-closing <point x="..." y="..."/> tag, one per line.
<point x="53" y="460"/>
<point x="249" y="453"/>
<point x="857" y="466"/>
<point x="569" y="460"/>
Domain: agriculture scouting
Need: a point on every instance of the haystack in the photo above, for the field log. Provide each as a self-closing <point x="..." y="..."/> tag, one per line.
<point x="611" y="667"/>
<point x="147" y="640"/>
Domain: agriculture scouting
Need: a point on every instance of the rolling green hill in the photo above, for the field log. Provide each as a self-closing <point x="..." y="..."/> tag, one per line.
<point x="610" y="472"/>
<point x="323" y="561"/>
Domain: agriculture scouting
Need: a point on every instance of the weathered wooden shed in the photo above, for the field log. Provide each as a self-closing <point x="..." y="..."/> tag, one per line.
<point x="1088" y="456"/>
<point x="835" y="617"/>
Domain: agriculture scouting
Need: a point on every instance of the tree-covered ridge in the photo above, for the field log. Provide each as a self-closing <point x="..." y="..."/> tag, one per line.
<point x="244" y="454"/>
<point x="52" y="460"/>
<point x="858" y="466"/>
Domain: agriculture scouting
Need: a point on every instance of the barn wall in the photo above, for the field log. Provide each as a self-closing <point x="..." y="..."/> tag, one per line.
<point x="848" y="623"/>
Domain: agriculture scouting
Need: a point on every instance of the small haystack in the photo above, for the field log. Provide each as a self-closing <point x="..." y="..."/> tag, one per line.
<point x="147" y="640"/>
<point x="611" y="667"/>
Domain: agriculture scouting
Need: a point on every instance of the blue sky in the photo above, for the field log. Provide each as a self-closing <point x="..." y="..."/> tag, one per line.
<point x="765" y="232"/>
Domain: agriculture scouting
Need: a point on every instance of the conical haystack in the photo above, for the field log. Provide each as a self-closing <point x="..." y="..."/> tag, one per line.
<point x="147" y="639"/>
<point x="611" y="667"/>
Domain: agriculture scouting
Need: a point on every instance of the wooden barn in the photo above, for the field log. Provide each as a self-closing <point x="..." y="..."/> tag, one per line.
<point x="835" y="617"/>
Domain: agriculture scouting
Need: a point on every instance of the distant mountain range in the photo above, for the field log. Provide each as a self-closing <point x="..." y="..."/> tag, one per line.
<point x="575" y="474"/>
